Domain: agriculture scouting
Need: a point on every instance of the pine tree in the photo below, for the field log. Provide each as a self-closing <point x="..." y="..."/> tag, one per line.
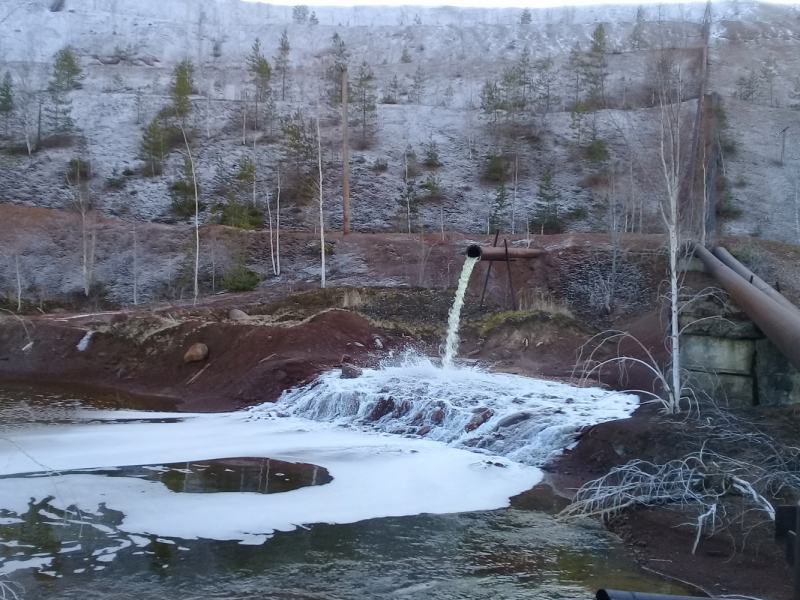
<point x="153" y="149"/>
<point x="524" y="74"/>
<point x="300" y="13"/>
<point x="525" y="18"/>
<point x="260" y="70"/>
<point x="498" y="206"/>
<point x="393" y="91"/>
<point x="418" y="84"/>
<point x="637" y="35"/>
<point x="364" y="99"/>
<point x="297" y="141"/>
<point x="65" y="77"/>
<point x="575" y="67"/>
<point x="67" y="72"/>
<point x="547" y="217"/>
<point x="510" y="87"/>
<point x="7" y="99"/>
<point x="768" y="74"/>
<point x="596" y="66"/>
<point x="182" y="89"/>
<point x="341" y="58"/>
<point x="406" y="56"/>
<point x="491" y="100"/>
<point x="545" y="82"/>
<point x="795" y="94"/>
<point x="313" y="20"/>
<point x="282" y="61"/>
<point x="449" y="94"/>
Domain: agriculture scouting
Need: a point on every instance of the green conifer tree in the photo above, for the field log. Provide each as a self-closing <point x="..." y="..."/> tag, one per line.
<point x="153" y="148"/>
<point x="7" y="99"/>
<point x="182" y="89"/>
<point x="282" y="61"/>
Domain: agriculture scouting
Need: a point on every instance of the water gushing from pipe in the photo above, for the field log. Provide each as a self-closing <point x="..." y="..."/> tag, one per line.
<point x="451" y="341"/>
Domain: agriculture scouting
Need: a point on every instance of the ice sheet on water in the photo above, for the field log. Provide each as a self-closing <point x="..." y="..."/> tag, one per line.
<point x="527" y="420"/>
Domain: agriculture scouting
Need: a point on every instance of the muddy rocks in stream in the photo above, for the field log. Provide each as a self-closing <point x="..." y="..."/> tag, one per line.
<point x="382" y="408"/>
<point x="350" y="371"/>
<point x="479" y="417"/>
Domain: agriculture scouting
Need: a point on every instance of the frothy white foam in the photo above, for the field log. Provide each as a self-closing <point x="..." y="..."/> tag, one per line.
<point x="527" y="420"/>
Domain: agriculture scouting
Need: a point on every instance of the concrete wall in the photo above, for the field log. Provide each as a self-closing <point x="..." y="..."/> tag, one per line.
<point x="730" y="360"/>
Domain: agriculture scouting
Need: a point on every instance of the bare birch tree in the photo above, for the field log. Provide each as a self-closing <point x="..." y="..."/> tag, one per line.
<point x="196" y="217"/>
<point x="670" y="102"/>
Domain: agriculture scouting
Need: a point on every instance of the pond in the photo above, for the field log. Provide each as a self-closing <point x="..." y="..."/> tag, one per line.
<point x="101" y="501"/>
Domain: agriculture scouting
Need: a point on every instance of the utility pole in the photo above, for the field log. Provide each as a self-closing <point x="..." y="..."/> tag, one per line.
<point x="345" y="157"/>
<point x="783" y="142"/>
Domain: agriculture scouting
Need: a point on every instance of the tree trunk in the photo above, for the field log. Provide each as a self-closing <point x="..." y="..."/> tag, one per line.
<point x="321" y="215"/>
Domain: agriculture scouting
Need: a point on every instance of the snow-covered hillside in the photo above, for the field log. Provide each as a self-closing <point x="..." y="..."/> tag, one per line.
<point x="129" y="49"/>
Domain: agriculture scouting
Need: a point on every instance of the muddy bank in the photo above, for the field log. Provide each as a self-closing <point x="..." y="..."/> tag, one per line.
<point x="741" y="557"/>
<point x="247" y="363"/>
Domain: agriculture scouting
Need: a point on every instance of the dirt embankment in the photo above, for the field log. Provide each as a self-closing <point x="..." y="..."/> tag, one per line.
<point x="247" y="363"/>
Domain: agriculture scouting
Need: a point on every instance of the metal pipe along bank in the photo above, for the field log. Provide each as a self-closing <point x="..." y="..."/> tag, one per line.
<point x="738" y="268"/>
<point x="777" y="322"/>
<point x="499" y="252"/>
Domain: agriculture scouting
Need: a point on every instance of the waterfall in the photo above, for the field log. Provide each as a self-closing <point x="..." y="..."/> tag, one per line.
<point x="526" y="420"/>
<point x="451" y="342"/>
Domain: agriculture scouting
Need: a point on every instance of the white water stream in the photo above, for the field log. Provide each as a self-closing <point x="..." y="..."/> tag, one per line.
<point x="454" y="317"/>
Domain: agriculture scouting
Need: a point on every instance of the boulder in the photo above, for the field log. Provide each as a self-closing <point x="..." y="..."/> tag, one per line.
<point x="424" y="430"/>
<point x="196" y="353"/>
<point x="350" y="371"/>
<point x="479" y="418"/>
<point x="401" y="409"/>
<point x="437" y="416"/>
<point x="237" y="315"/>
<point x="513" y="419"/>
<point x="382" y="408"/>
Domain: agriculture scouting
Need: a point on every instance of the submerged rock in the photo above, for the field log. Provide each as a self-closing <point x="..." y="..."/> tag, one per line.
<point x="382" y="408"/>
<point x="514" y="419"/>
<point x="479" y="418"/>
<point x="196" y="353"/>
<point x="350" y="371"/>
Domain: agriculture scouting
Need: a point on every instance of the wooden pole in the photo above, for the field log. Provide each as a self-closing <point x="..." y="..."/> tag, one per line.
<point x="345" y="158"/>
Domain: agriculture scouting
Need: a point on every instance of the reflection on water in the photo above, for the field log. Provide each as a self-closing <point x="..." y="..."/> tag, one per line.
<point x="24" y="405"/>
<point x="257" y="475"/>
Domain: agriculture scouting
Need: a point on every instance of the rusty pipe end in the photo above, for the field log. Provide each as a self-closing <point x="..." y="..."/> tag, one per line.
<point x="474" y="251"/>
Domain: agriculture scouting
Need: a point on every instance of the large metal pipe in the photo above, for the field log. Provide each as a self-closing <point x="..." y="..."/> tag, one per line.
<point x="748" y="275"/>
<point x="623" y="595"/>
<point x="499" y="252"/>
<point x="778" y="323"/>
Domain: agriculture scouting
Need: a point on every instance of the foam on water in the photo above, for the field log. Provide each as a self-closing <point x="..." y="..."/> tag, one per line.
<point x="527" y="420"/>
